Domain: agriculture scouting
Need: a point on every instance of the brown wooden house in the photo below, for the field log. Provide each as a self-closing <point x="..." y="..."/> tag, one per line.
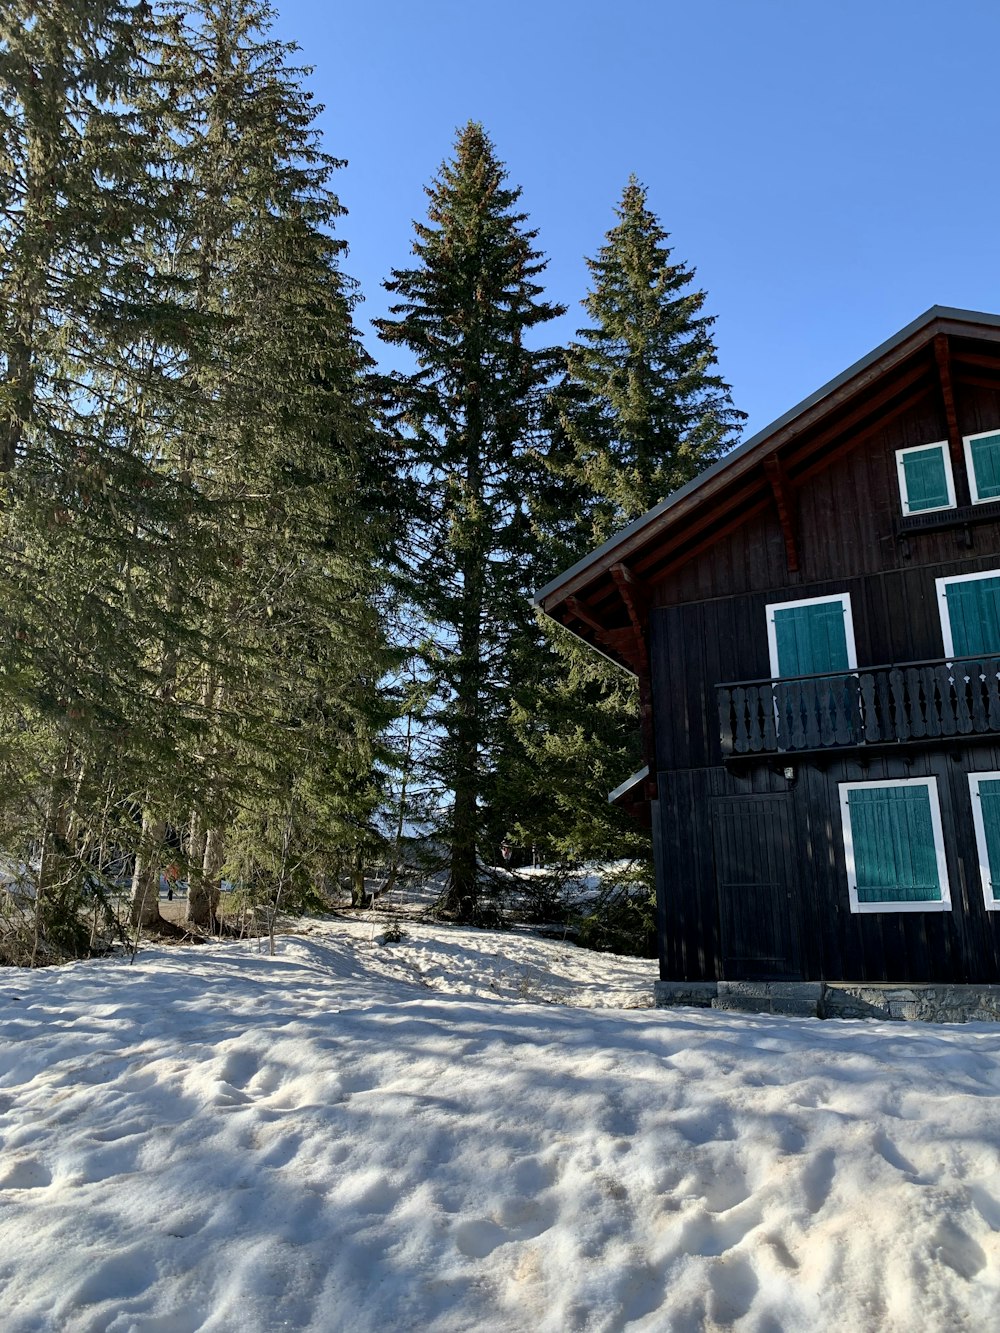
<point x="815" y="626"/>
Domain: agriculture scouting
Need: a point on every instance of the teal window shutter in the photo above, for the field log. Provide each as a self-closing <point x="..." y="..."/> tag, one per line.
<point x="895" y="860"/>
<point x="986" y="466"/>
<point x="926" y="479"/>
<point x="974" y="616"/>
<point x="989" y="801"/>
<point x="811" y="640"/>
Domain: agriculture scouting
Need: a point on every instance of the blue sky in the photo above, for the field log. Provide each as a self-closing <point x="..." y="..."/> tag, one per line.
<point x="830" y="167"/>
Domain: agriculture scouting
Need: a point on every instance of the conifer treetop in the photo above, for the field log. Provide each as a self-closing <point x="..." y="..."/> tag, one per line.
<point x="643" y="405"/>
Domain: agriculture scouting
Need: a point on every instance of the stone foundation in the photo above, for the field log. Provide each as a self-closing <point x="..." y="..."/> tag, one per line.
<point x="923" y="1004"/>
<point x="838" y="999"/>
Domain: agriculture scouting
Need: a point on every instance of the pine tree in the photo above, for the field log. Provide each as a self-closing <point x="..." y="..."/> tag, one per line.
<point x="468" y="417"/>
<point x="640" y="410"/>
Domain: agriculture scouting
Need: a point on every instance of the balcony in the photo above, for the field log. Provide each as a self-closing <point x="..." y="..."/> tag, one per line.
<point x="915" y="702"/>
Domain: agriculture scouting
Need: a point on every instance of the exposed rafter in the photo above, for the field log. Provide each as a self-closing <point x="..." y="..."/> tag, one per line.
<point x="942" y="357"/>
<point x="615" y="642"/>
<point x="865" y="417"/>
<point x="785" y="505"/>
<point x="636" y="599"/>
<point x="635" y="596"/>
<point x="965" y="377"/>
<point x="584" y="615"/>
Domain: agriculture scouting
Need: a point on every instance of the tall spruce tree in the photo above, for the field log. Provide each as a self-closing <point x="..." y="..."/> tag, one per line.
<point x="186" y="610"/>
<point x="640" y="410"/>
<point x="467" y="418"/>
<point x="86" y="336"/>
<point x="273" y="431"/>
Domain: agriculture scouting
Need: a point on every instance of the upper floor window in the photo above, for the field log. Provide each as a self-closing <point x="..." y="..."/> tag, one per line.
<point x="811" y="637"/>
<point x="925" y="478"/>
<point x="982" y="457"/>
<point x="970" y="614"/>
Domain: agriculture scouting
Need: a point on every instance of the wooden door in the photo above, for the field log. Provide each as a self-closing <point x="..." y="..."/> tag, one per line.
<point x="755" y="858"/>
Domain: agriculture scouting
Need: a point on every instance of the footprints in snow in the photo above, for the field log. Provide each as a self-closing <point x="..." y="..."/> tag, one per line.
<point x="242" y="1080"/>
<point x="521" y="1216"/>
<point x="25" y="1173"/>
<point x="954" y="1247"/>
<point x="714" y="1234"/>
<point x="518" y="1219"/>
<point x="479" y="1237"/>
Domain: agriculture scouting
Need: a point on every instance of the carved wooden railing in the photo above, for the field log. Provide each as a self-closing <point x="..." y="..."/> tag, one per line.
<point x="914" y="701"/>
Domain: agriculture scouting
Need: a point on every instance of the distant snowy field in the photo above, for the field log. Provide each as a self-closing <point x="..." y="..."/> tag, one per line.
<point x="478" y="1131"/>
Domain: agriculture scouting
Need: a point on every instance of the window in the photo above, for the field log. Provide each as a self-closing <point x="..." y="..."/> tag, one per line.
<point x="893" y="846"/>
<point x="814" y="638"/>
<point x="985" y="788"/>
<point x="925" y="479"/>
<point x="970" y="614"/>
<point x="982" y="458"/>
<point x="811" y="637"/>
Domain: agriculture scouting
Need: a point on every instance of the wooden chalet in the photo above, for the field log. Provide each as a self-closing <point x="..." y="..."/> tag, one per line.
<point x="815" y="626"/>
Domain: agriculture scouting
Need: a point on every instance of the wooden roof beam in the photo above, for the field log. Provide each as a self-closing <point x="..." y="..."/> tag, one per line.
<point x="582" y="613"/>
<point x="744" y="502"/>
<point x="795" y="434"/>
<point x="636" y="599"/>
<point x="951" y="416"/>
<point x="785" y="504"/>
<point x="681" y="555"/>
<point x="964" y="356"/>
<point x="802" y="449"/>
<point x="970" y="379"/>
<point x="803" y="452"/>
<point x="614" y="642"/>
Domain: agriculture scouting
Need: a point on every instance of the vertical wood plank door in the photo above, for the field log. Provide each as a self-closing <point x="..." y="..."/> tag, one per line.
<point x="755" y="860"/>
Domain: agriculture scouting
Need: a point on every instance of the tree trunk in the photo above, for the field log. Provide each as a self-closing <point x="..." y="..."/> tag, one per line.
<point x="38" y="243"/>
<point x="203" y="893"/>
<point x="463" y="889"/>
<point x="146" y="876"/>
<point x="358" y="896"/>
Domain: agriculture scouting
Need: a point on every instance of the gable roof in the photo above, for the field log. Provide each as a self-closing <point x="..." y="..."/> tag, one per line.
<point x="587" y="597"/>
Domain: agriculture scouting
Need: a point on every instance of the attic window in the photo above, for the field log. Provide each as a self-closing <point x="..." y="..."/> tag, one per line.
<point x="925" y="480"/>
<point x="982" y="457"/>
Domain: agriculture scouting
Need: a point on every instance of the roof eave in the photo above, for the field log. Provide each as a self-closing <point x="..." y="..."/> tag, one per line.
<point x="596" y="561"/>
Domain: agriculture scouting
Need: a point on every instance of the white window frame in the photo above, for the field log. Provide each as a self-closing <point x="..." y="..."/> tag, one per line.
<point x="860" y="908"/>
<point x="967" y="441"/>
<point x="772" y="638"/>
<point x="992" y="904"/>
<point x="948" y="476"/>
<point x="941" y="586"/>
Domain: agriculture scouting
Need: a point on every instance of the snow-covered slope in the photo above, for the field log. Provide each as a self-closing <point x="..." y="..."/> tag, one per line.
<point x="352" y="1136"/>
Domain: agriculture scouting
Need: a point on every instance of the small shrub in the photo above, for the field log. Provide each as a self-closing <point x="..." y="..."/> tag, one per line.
<point x="393" y="934"/>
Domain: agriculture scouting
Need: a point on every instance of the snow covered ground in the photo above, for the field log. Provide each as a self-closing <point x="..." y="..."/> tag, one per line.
<point x="476" y="1131"/>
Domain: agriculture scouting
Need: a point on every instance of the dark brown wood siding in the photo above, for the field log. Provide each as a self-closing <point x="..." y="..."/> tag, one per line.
<point x="805" y="857"/>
